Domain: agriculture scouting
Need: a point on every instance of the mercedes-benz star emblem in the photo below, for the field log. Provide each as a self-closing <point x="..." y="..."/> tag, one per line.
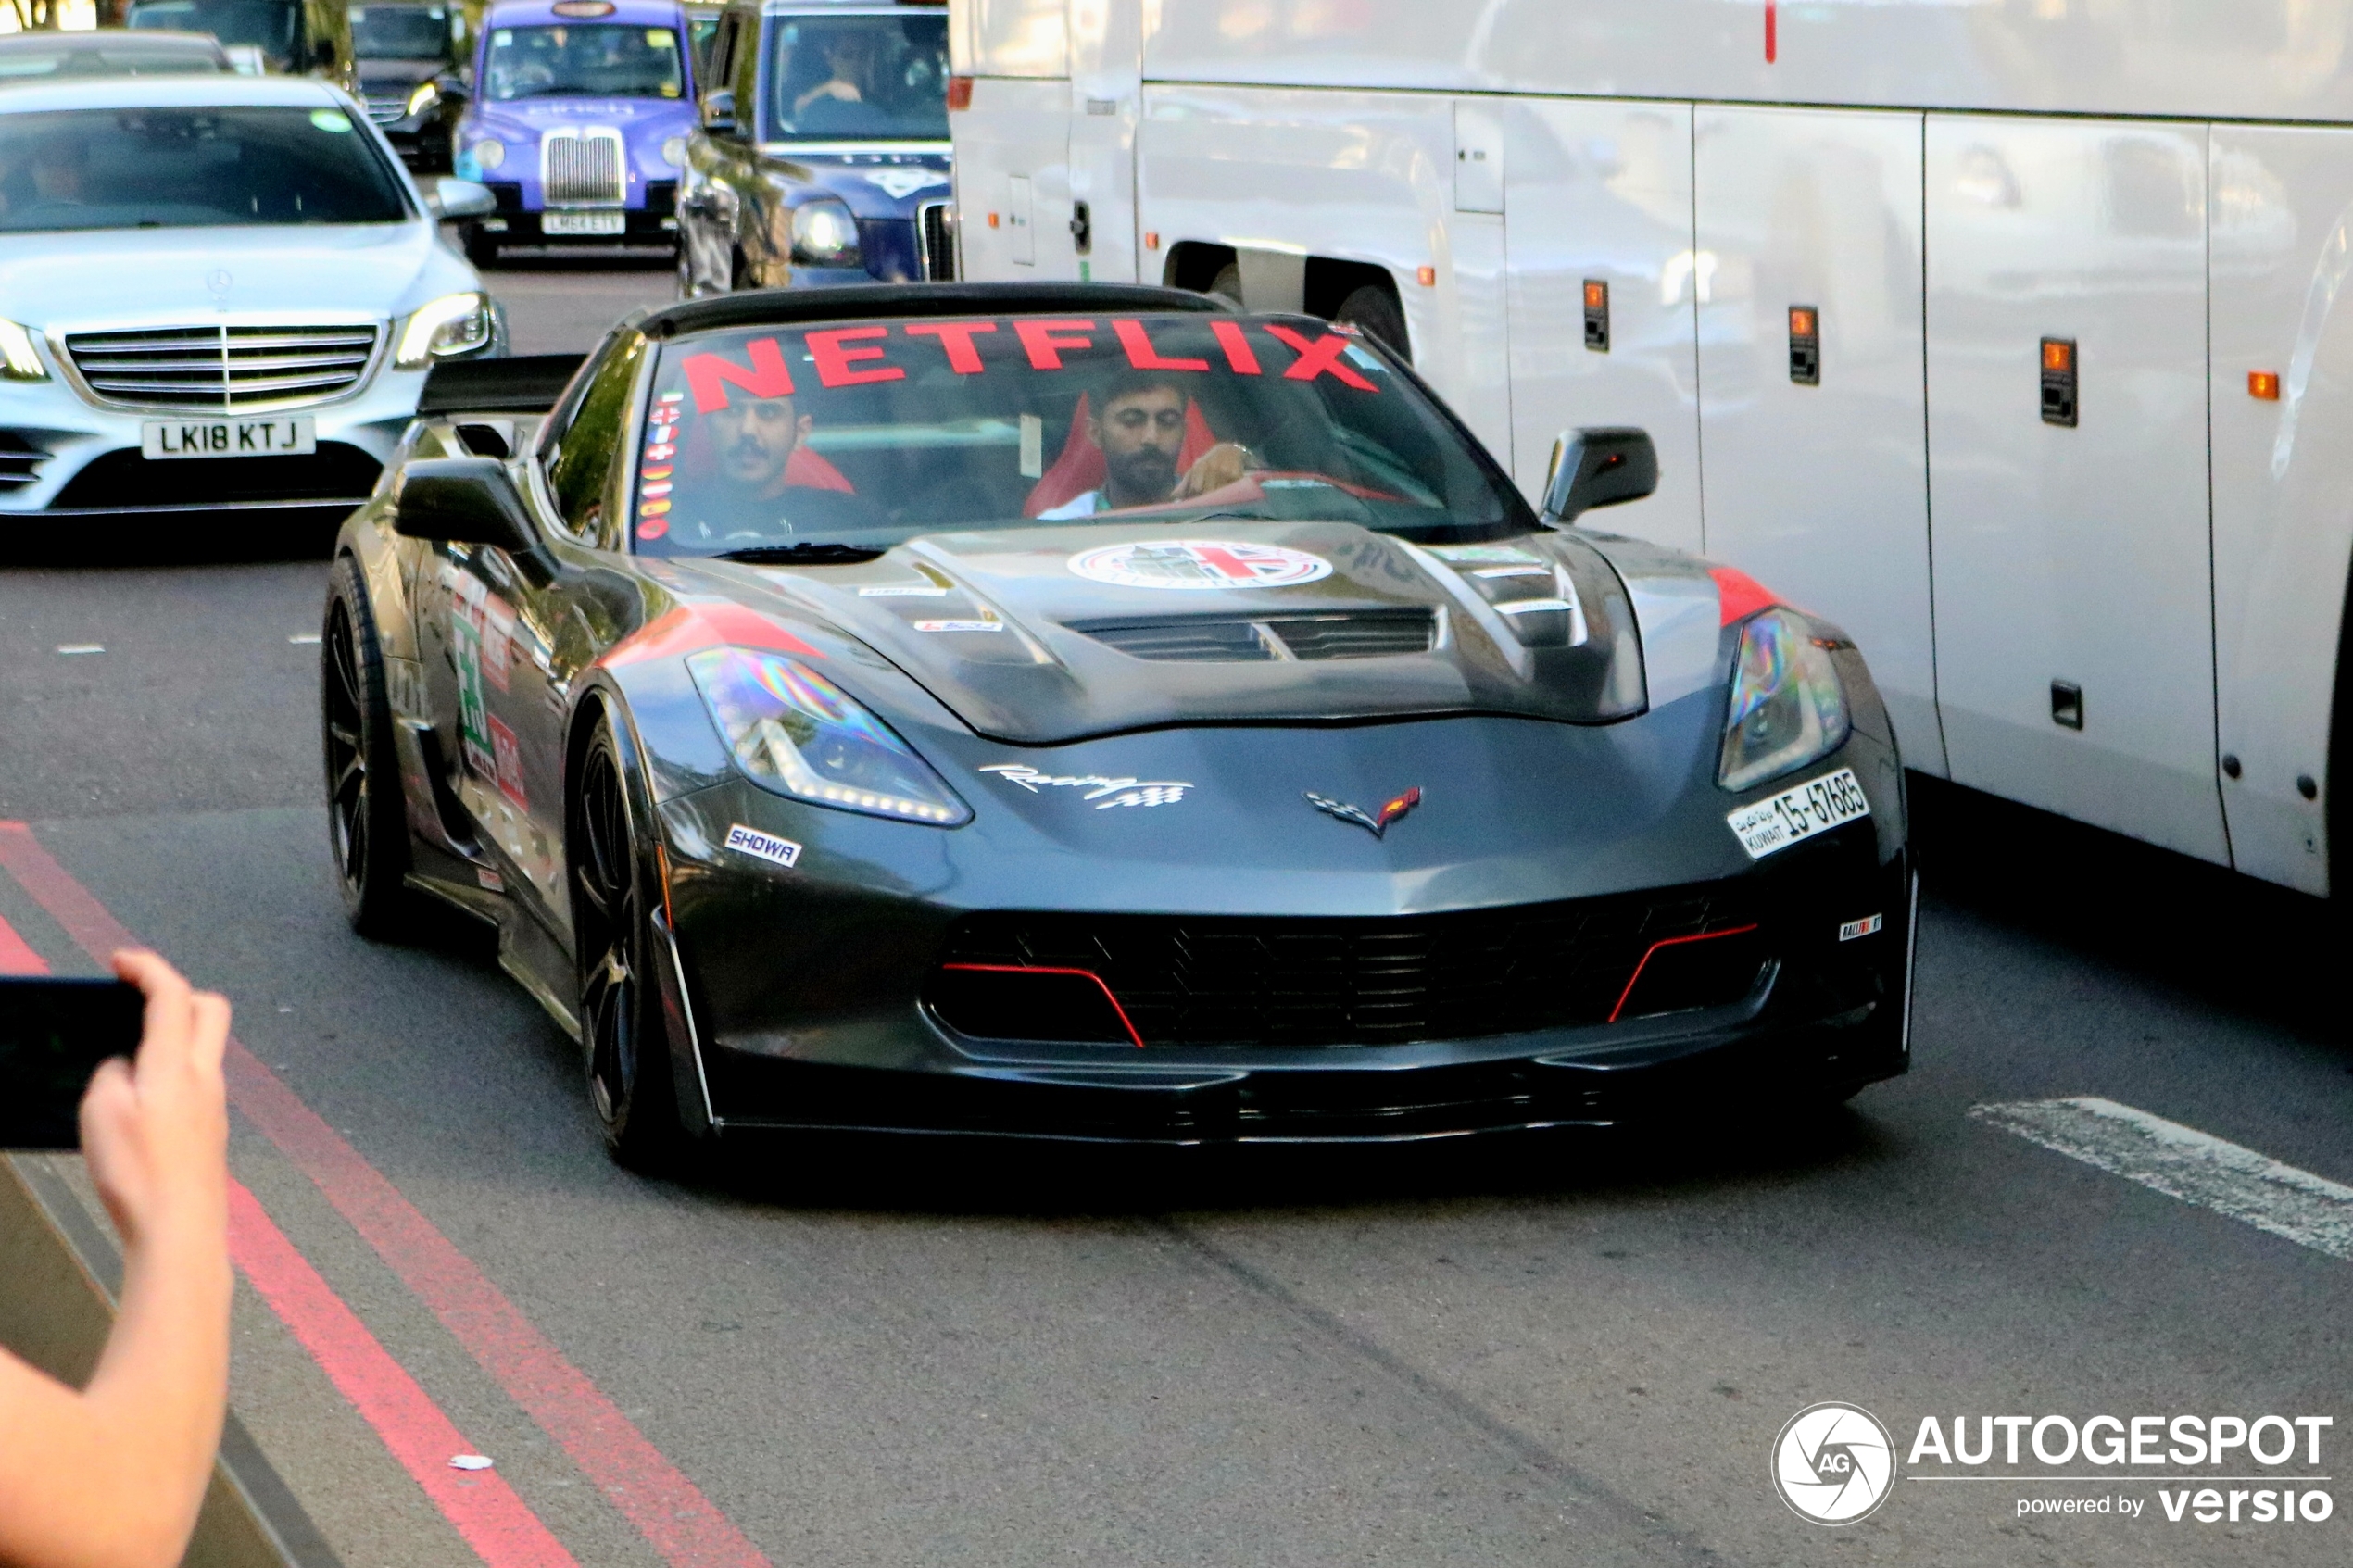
<point x="218" y="280"/>
<point x="1375" y="822"/>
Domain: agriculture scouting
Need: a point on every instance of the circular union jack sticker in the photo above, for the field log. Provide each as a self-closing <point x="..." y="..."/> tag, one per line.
<point x="1198" y="563"/>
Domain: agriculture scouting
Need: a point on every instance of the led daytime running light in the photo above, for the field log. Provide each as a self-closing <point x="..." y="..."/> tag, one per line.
<point x="18" y="359"/>
<point x="456" y="323"/>
<point x="792" y="731"/>
<point x="1787" y="707"/>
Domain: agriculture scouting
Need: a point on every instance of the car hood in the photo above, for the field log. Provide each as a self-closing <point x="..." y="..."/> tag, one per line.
<point x="634" y="117"/>
<point x="404" y="73"/>
<point x="152" y="276"/>
<point x="877" y="185"/>
<point x="1045" y="634"/>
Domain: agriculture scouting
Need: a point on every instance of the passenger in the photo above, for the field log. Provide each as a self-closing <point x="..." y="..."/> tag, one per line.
<point x="113" y="1473"/>
<point x="1139" y="421"/>
<point x="748" y="488"/>
<point x="852" y="55"/>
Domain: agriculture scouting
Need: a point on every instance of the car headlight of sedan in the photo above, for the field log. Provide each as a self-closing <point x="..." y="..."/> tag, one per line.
<point x="794" y="731"/>
<point x="825" y="234"/>
<point x="18" y="359"/>
<point x="1787" y="707"/>
<point x="424" y="97"/>
<point x="456" y="323"/>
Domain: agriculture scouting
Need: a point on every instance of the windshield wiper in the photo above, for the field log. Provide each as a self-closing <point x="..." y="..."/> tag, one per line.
<point x="800" y="555"/>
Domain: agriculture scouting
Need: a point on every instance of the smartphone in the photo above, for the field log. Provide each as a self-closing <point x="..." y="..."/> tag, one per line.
<point x="53" y="1036"/>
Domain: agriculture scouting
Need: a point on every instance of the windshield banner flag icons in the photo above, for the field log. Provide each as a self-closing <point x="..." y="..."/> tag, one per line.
<point x="1833" y="1463"/>
<point x="1198" y="563"/>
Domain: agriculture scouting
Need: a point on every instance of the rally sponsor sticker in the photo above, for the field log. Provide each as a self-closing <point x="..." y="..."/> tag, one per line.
<point x="763" y="846"/>
<point x="1817" y="805"/>
<point x="1198" y="563"/>
<point x="1869" y="925"/>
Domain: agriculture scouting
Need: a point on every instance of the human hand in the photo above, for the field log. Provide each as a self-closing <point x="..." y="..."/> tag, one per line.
<point x="1222" y="465"/>
<point x="156" y="1131"/>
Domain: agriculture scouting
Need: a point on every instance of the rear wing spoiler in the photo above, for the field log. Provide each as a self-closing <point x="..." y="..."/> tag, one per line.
<point x="519" y="383"/>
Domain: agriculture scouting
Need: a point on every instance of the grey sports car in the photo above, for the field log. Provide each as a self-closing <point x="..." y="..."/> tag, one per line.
<point x="1085" y="712"/>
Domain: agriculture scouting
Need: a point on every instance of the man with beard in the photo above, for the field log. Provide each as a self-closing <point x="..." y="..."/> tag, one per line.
<point x="745" y="491"/>
<point x="1139" y="422"/>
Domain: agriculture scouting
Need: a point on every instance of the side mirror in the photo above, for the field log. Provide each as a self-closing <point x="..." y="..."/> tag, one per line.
<point x="451" y="88"/>
<point x="1598" y="468"/>
<point x="464" y="501"/>
<point x="448" y="197"/>
<point x="719" y="111"/>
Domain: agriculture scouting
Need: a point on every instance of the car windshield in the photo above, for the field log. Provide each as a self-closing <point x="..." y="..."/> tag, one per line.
<point x="400" y="33"/>
<point x="833" y="441"/>
<point x="269" y="25"/>
<point x="594" y="60"/>
<point x="187" y="167"/>
<point x="859" y="78"/>
<point x="122" y="59"/>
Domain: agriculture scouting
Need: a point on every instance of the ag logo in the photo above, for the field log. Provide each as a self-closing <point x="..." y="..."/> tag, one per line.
<point x="1834" y="1463"/>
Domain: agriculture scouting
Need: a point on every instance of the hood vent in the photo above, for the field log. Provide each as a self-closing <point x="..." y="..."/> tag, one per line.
<point x="1207" y="639"/>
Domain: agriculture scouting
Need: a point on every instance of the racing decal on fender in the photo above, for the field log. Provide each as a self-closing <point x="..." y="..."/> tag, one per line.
<point x="1375" y="823"/>
<point x="507" y="759"/>
<point x="763" y="846"/>
<point x="1120" y="792"/>
<point x="1198" y="563"/>
<point x="1816" y="806"/>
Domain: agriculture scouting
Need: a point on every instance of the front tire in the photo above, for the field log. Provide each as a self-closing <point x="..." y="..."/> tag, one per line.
<point x="366" y="818"/>
<point x="622" y="1030"/>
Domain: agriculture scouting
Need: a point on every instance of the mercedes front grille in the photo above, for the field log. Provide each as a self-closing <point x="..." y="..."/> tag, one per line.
<point x="223" y="366"/>
<point x="583" y="166"/>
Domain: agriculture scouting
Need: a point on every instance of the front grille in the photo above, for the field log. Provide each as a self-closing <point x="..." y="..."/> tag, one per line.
<point x="935" y="239"/>
<point x="1204" y="981"/>
<point x="582" y="166"/>
<point x="20" y="462"/>
<point x="386" y="108"/>
<point x="337" y="471"/>
<point x="222" y="367"/>
<point x="1230" y="639"/>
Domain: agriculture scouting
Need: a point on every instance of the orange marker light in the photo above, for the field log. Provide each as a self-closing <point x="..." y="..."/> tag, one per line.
<point x="1801" y="322"/>
<point x="2057" y="355"/>
<point x="992" y="220"/>
<point x="960" y="92"/>
<point x="1152" y="239"/>
<point x="1427" y="277"/>
<point x="1596" y="296"/>
<point x="2264" y="385"/>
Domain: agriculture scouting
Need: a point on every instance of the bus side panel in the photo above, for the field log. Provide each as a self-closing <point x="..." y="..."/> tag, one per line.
<point x="1601" y="193"/>
<point x="2073" y="560"/>
<point x="1106" y="66"/>
<point x="1012" y="180"/>
<point x="2283" y="229"/>
<point x="1016" y="37"/>
<point x="1350" y="177"/>
<point x="1816" y="475"/>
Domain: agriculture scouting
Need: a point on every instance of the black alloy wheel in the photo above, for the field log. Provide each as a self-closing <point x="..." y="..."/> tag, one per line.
<point x="620" y="1014"/>
<point x="1373" y="311"/>
<point x="366" y="817"/>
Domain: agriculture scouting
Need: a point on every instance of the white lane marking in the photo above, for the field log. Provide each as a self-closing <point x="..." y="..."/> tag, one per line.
<point x="2185" y="1164"/>
<point x="302" y="639"/>
<point x="82" y="647"/>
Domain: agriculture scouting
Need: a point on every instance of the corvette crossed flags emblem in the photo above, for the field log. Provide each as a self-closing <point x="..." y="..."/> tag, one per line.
<point x="1375" y="823"/>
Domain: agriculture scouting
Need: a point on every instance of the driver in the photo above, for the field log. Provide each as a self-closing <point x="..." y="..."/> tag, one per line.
<point x="852" y="55"/>
<point x="745" y="491"/>
<point x="1139" y="422"/>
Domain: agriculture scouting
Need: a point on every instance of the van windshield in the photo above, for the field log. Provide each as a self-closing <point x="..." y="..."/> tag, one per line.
<point x="599" y="60"/>
<point x="190" y="168"/>
<point x="272" y="26"/>
<point x="860" y="437"/>
<point x="863" y="78"/>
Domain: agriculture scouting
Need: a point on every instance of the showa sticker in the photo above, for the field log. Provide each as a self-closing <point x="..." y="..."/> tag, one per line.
<point x="762" y="846"/>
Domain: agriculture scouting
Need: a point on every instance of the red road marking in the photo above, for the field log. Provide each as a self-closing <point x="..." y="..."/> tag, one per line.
<point x="494" y="1522"/>
<point x="16" y="955"/>
<point x="668" y="1510"/>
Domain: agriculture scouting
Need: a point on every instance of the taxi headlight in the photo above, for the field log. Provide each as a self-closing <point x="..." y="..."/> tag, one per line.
<point x="489" y="152"/>
<point x="1787" y="707"/>
<point x="825" y="234"/>
<point x="18" y="359"/>
<point x="456" y="323"/>
<point x="424" y="97"/>
<point x="794" y="731"/>
<point x="673" y="152"/>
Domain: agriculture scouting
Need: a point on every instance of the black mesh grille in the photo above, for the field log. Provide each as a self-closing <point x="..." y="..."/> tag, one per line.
<point x="1188" y="981"/>
<point x="20" y="462"/>
<point x="1228" y="639"/>
<point x="334" y="472"/>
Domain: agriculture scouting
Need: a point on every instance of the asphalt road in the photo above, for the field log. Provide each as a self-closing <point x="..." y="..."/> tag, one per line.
<point x="1556" y="1350"/>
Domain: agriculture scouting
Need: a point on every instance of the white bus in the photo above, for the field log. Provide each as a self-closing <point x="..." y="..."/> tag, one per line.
<point x="2004" y="331"/>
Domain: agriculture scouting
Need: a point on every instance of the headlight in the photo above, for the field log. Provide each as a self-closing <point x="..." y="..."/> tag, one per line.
<point x="795" y="732"/>
<point x="424" y="97"/>
<point x="19" y="360"/>
<point x="456" y="323"/>
<point x="825" y="234"/>
<point x="673" y="152"/>
<point x="1787" y="707"/>
<point x="489" y="152"/>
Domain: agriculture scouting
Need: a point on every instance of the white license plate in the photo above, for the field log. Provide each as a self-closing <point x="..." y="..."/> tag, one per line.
<point x="583" y="223"/>
<point x="1814" y="807"/>
<point x="228" y="438"/>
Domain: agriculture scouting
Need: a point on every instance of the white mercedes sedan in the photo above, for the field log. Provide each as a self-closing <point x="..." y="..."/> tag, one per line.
<point x="216" y="293"/>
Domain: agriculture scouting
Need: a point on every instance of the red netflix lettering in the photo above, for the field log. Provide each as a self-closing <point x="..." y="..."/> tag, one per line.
<point x="1239" y="353"/>
<point x="956" y="337"/>
<point x="1143" y="356"/>
<point x="834" y="361"/>
<point x="1044" y="341"/>
<point x="710" y="375"/>
<point x="1320" y="357"/>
